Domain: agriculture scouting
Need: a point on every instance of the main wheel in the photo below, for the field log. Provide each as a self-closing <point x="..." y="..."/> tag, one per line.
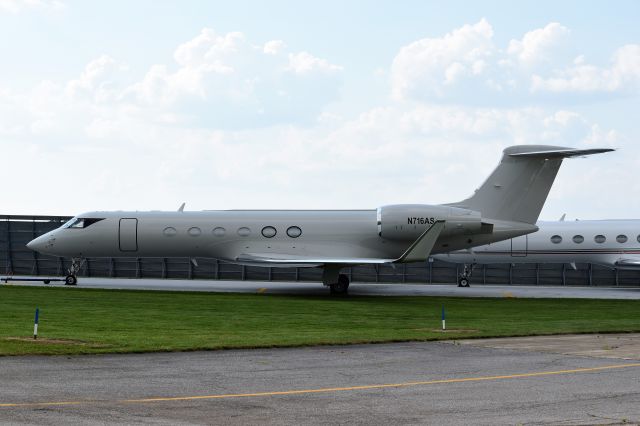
<point x="463" y="282"/>
<point x="342" y="286"/>
<point x="70" y="280"/>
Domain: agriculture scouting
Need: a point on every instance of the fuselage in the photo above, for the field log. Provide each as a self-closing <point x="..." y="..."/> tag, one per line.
<point x="611" y="243"/>
<point x="228" y="234"/>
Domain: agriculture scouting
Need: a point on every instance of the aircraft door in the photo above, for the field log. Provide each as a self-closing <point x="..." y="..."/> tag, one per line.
<point x="519" y="246"/>
<point x="128" y="236"/>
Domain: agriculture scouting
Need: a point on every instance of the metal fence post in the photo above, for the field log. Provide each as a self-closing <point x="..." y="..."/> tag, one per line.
<point x="511" y="274"/>
<point x="9" y="249"/>
<point x="35" y="269"/>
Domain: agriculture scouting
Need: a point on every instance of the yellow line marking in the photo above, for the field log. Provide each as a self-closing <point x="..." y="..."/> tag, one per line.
<point x="262" y="290"/>
<point x="335" y="389"/>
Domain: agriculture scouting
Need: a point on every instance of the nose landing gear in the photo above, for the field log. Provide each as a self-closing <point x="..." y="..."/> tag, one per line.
<point x="463" y="279"/>
<point x="76" y="265"/>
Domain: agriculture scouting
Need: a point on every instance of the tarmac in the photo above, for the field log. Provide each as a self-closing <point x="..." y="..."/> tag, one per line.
<point x="486" y="382"/>
<point x="356" y="289"/>
<point x="567" y="380"/>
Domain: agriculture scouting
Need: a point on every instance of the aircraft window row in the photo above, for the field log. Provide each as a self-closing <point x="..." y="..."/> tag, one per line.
<point x="267" y="231"/>
<point x="578" y="239"/>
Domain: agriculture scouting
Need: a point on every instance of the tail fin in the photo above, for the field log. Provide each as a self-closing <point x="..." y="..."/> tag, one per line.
<point x="518" y="187"/>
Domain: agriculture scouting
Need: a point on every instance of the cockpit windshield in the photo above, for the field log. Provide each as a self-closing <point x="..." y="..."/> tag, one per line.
<point x="81" y="222"/>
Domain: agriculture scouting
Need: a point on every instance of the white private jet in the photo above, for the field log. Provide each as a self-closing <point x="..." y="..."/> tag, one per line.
<point x="506" y="206"/>
<point x="610" y="243"/>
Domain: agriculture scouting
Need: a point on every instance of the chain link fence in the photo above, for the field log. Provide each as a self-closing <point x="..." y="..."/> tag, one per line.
<point x="17" y="259"/>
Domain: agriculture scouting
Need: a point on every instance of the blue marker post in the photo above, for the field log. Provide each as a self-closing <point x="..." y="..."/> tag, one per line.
<point x="35" y="324"/>
<point x="444" y="326"/>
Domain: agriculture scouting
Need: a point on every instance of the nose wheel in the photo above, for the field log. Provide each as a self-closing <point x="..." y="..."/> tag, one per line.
<point x="463" y="279"/>
<point x="72" y="276"/>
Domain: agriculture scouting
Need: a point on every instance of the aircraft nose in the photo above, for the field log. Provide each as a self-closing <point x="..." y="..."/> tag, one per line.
<point x="38" y="244"/>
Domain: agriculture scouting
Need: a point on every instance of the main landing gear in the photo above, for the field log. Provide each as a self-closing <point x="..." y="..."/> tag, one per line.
<point x="338" y="283"/>
<point x="71" y="278"/>
<point x="342" y="286"/>
<point x="463" y="279"/>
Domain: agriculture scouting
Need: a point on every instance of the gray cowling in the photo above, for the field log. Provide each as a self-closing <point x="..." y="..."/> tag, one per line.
<point x="408" y="221"/>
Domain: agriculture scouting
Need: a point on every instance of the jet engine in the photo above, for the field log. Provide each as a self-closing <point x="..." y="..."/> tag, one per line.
<point x="409" y="221"/>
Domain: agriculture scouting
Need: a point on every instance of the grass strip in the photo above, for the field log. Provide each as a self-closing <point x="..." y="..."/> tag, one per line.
<point x="84" y="321"/>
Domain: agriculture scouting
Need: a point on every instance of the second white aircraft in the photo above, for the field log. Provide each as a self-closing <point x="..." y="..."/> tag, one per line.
<point x="610" y="243"/>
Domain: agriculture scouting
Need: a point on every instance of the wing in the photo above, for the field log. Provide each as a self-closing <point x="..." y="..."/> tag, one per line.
<point x="418" y="251"/>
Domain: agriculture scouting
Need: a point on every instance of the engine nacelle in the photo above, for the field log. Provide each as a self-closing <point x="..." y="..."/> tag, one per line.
<point x="409" y="221"/>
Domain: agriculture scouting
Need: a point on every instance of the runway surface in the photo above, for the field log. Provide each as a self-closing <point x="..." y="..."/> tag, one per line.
<point x="475" y="382"/>
<point x="306" y="288"/>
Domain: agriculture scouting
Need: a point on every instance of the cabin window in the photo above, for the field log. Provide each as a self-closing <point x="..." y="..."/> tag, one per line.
<point x="600" y="239"/>
<point x="219" y="231"/>
<point x="556" y="239"/>
<point x="294" y="231"/>
<point x="244" y="231"/>
<point x="621" y="238"/>
<point x="578" y="239"/>
<point x="195" y="231"/>
<point x="269" y="231"/>
<point x="170" y="232"/>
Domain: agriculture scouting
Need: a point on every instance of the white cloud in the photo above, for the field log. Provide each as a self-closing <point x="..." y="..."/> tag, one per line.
<point x="421" y="68"/>
<point x="305" y="63"/>
<point x="538" y="45"/>
<point x="623" y="75"/>
<point x="17" y="6"/>
<point x="224" y="80"/>
<point x="273" y="47"/>
<point x="466" y="66"/>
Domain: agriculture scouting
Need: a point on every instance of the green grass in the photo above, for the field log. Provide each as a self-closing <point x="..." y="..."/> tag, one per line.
<point x="110" y="321"/>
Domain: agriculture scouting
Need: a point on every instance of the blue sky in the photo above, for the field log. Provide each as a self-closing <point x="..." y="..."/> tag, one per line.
<point x="143" y="105"/>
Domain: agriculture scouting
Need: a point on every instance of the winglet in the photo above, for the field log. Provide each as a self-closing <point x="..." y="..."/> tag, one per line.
<point x="181" y="209"/>
<point x="421" y="248"/>
<point x="562" y="217"/>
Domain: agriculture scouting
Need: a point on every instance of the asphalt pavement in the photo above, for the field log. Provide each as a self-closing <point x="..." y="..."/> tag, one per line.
<point x="361" y="289"/>
<point x="457" y="383"/>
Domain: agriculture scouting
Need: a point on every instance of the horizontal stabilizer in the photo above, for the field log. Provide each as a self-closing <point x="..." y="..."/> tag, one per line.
<point x="558" y="152"/>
